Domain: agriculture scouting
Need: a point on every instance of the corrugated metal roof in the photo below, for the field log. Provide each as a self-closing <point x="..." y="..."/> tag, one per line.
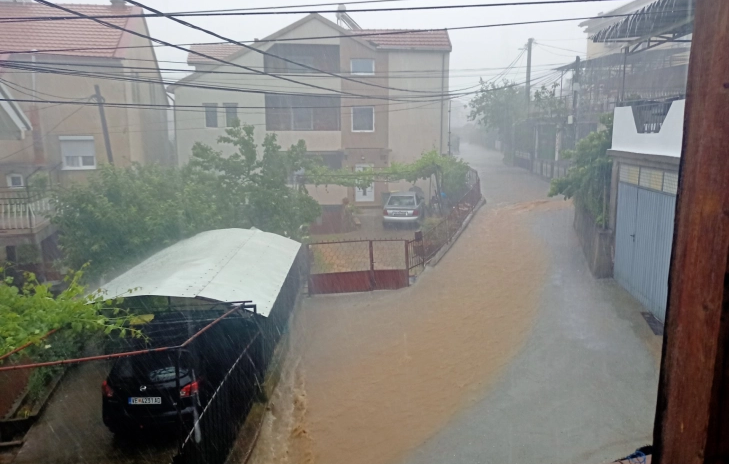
<point x="220" y="265"/>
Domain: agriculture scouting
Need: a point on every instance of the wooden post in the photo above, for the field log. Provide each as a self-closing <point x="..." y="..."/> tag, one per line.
<point x="104" y="128"/>
<point x="692" y="414"/>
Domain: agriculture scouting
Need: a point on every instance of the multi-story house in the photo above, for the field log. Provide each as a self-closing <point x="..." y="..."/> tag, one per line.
<point x="358" y="98"/>
<point x="50" y="123"/>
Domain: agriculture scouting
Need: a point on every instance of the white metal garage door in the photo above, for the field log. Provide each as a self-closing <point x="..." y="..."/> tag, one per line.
<point x="644" y="234"/>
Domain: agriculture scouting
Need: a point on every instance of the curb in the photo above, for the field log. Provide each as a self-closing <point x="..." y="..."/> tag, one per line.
<point x="442" y="252"/>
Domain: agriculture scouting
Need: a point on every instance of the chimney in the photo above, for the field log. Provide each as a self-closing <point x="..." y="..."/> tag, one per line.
<point x="118" y="3"/>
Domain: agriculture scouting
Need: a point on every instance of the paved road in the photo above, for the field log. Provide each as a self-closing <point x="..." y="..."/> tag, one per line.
<point x="583" y="388"/>
<point x="71" y="430"/>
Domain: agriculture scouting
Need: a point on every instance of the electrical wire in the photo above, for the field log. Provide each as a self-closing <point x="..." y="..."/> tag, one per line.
<point x="210" y="13"/>
<point x="138" y="34"/>
<point x="410" y="31"/>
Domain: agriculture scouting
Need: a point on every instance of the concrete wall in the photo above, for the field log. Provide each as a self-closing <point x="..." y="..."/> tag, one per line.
<point x="190" y="125"/>
<point x="667" y="142"/>
<point x="134" y="133"/>
<point x="418" y="127"/>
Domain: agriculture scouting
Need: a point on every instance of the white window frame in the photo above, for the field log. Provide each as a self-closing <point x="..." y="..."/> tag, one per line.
<point x="9" y="179"/>
<point x="373" y="118"/>
<point x="351" y="67"/>
<point x="81" y="167"/>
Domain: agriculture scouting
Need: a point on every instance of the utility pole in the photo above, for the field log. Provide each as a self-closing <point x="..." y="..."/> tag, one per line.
<point x="449" y="126"/>
<point x="575" y="95"/>
<point x="692" y="412"/>
<point x="529" y="75"/>
<point x="104" y="128"/>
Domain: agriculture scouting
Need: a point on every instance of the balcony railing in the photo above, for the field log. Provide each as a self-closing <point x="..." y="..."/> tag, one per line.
<point x="21" y="209"/>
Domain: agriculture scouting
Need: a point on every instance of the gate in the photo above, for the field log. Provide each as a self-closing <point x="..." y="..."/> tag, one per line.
<point x="643" y="238"/>
<point x="358" y="266"/>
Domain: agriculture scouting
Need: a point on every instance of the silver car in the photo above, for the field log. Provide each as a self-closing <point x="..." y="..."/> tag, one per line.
<point x="404" y="208"/>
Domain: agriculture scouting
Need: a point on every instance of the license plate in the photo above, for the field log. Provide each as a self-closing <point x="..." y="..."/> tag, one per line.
<point x="399" y="213"/>
<point x="145" y="400"/>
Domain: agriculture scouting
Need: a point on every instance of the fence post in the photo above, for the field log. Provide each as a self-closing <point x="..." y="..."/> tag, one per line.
<point x="372" y="266"/>
<point x="407" y="261"/>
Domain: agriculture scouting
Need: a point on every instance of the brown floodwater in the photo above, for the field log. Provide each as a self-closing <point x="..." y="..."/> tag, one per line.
<point x="370" y="376"/>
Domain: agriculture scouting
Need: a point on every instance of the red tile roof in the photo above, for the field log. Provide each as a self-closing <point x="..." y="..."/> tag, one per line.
<point x="429" y="40"/>
<point x="221" y="51"/>
<point x="60" y="34"/>
<point x="420" y="40"/>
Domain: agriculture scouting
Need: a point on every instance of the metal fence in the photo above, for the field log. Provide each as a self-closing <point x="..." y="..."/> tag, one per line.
<point x="213" y="433"/>
<point x="358" y="265"/>
<point x="551" y="169"/>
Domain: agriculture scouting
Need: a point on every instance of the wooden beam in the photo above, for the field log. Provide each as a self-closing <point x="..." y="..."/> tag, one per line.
<point x="692" y="414"/>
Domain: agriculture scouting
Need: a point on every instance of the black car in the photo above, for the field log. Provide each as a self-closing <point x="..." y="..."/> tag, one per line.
<point x="142" y="391"/>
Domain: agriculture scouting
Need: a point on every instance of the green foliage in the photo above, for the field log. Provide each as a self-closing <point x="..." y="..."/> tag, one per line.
<point x="499" y="106"/>
<point x="30" y="312"/>
<point x="449" y="171"/>
<point x="258" y="186"/>
<point x="588" y="179"/>
<point x="122" y="215"/>
<point x="550" y="106"/>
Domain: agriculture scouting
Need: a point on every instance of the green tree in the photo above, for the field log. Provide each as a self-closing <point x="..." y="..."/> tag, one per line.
<point x="260" y="187"/>
<point x="499" y="107"/>
<point x="588" y="179"/>
<point x="122" y="215"/>
<point x="31" y="311"/>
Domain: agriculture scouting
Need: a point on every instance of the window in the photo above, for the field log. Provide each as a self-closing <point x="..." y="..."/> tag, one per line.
<point x="78" y="152"/>
<point x="363" y="119"/>
<point x="301" y="112"/>
<point x="15" y="180"/>
<point x="362" y="66"/>
<point x="231" y="114"/>
<point x="303" y="118"/>
<point x="211" y="114"/>
<point x="320" y="57"/>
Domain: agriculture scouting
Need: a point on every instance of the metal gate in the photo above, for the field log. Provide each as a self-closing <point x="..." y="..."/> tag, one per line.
<point x="643" y="238"/>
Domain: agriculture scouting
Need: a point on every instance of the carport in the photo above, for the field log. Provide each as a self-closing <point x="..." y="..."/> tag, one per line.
<point x="230" y="273"/>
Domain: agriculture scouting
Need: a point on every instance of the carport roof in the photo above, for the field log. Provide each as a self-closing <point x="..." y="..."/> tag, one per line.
<point x="219" y="265"/>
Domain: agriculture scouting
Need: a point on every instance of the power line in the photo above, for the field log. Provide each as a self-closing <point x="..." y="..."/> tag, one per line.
<point x="366" y="34"/>
<point x="138" y="34"/>
<point x="265" y="53"/>
<point x="157" y="14"/>
<point x="117" y="77"/>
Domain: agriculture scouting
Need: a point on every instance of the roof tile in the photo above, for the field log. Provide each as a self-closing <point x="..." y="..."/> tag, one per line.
<point x="60" y="35"/>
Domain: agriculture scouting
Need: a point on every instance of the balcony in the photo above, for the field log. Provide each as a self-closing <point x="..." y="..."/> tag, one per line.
<point x="23" y="211"/>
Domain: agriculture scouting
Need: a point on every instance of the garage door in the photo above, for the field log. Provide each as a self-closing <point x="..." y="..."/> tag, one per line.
<point x="644" y="234"/>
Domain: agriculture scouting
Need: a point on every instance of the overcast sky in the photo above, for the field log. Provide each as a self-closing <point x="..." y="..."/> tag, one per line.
<point x="473" y="50"/>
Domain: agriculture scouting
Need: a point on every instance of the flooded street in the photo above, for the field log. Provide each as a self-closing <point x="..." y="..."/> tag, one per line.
<point x="389" y="377"/>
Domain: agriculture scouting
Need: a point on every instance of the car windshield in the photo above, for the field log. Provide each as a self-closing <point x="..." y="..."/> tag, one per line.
<point x="400" y="201"/>
<point x="157" y="367"/>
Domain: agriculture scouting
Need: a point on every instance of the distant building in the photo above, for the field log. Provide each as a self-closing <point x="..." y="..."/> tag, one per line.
<point x="54" y="134"/>
<point x="387" y="106"/>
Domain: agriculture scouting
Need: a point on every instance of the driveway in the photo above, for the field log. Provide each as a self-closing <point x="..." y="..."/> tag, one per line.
<point x="71" y="431"/>
<point x="508" y="351"/>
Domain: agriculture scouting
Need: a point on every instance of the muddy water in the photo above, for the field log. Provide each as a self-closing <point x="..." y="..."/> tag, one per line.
<point x="370" y="376"/>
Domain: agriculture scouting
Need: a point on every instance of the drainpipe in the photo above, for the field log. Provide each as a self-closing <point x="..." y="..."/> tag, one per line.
<point x="442" y="100"/>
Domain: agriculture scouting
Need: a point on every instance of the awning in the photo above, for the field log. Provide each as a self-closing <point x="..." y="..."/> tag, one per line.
<point x="13" y="122"/>
<point x="218" y="265"/>
<point x="661" y="18"/>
